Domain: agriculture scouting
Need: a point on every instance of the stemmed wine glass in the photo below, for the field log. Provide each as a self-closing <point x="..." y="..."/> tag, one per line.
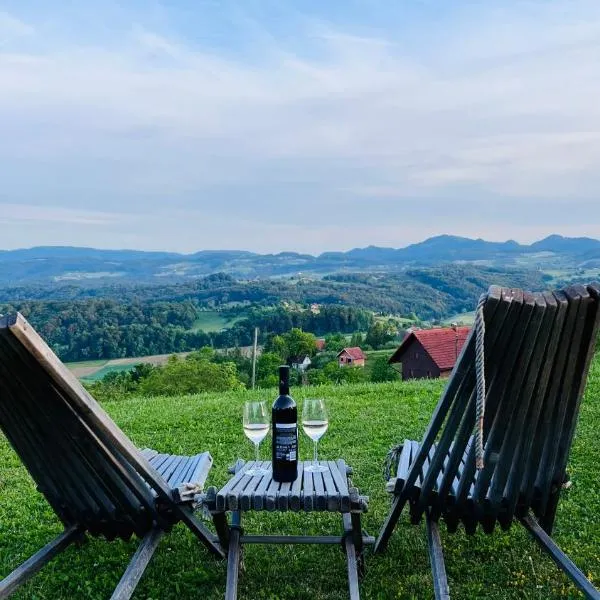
<point x="256" y="426"/>
<point x="315" y="424"/>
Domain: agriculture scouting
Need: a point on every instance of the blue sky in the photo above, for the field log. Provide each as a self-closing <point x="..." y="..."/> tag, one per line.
<point x="310" y="126"/>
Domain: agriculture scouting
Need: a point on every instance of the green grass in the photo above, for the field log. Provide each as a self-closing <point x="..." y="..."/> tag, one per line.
<point x="87" y="363"/>
<point x="106" y="370"/>
<point x="365" y="420"/>
<point x="213" y="320"/>
<point x="466" y="318"/>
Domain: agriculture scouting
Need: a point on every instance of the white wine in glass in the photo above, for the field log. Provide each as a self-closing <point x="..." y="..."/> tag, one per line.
<point x="315" y="423"/>
<point x="256" y="427"/>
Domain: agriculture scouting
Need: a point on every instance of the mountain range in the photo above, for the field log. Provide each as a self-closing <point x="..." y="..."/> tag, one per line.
<point x="91" y="266"/>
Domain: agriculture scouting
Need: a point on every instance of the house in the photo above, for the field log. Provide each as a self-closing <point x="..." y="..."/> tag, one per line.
<point x="300" y="363"/>
<point x="430" y="352"/>
<point x="320" y="343"/>
<point x="351" y="357"/>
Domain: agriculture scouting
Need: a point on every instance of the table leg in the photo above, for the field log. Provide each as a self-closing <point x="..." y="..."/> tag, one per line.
<point x="222" y="528"/>
<point x="351" y="556"/>
<point x="233" y="556"/>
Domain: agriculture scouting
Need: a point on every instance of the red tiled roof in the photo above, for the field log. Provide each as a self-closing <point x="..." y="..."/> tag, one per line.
<point x="320" y="344"/>
<point x="443" y="344"/>
<point x="355" y="353"/>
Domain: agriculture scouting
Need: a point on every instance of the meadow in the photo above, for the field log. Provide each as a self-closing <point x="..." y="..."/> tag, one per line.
<point x="365" y="420"/>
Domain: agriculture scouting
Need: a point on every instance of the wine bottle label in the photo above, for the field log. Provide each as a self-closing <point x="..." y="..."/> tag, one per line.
<point x="286" y="441"/>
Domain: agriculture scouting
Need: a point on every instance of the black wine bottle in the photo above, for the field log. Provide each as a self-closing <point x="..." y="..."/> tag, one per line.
<point x="285" y="431"/>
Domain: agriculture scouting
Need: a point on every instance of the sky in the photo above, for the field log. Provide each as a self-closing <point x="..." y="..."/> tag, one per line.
<point x="300" y="125"/>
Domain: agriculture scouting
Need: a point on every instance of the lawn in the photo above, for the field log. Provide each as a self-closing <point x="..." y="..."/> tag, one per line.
<point x="365" y="420"/>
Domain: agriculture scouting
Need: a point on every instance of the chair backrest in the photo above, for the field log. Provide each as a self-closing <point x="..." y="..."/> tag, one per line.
<point x="538" y="348"/>
<point x="88" y="470"/>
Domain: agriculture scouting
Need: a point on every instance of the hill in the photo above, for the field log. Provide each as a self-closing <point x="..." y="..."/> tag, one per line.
<point x="365" y="420"/>
<point x="93" y="267"/>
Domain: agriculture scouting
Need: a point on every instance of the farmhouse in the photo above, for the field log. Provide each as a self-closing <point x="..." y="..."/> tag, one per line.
<point x="300" y="363"/>
<point x="430" y="353"/>
<point x="351" y="357"/>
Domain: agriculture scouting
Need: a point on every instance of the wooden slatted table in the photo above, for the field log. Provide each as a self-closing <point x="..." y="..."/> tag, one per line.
<point x="329" y="491"/>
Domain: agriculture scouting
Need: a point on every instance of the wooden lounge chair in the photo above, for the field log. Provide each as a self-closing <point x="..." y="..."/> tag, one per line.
<point x="91" y="474"/>
<point x="537" y="352"/>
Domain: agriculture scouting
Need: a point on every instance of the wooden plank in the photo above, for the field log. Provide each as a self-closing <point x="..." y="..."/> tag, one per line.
<point x="221" y="502"/>
<point x="441" y="590"/>
<point x="326" y="540"/>
<point x="233" y="557"/>
<point x="258" y="495"/>
<point x="60" y="458"/>
<point x="138" y="564"/>
<point x="83" y="402"/>
<point x="176" y="476"/>
<point x="33" y="564"/>
<point x="519" y="400"/>
<point x="271" y="495"/>
<point x="128" y="490"/>
<point x="500" y="416"/>
<point x="351" y="559"/>
<point x="250" y="489"/>
<point x="588" y="346"/>
<point x="338" y="472"/>
<point x="524" y="474"/>
<point x="308" y="488"/>
<point x="296" y="491"/>
<point x="461" y="417"/>
<point x="522" y="437"/>
<point x="559" y="397"/>
<point x="282" y="499"/>
<point x="560" y="558"/>
<point x="502" y="366"/>
<point x="200" y="469"/>
<point x="236" y="491"/>
<point x="331" y="492"/>
<point x="553" y="371"/>
<point x="464" y="361"/>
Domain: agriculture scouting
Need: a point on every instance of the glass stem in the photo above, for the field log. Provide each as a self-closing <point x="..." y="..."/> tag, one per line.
<point x="257" y="456"/>
<point x="315" y="452"/>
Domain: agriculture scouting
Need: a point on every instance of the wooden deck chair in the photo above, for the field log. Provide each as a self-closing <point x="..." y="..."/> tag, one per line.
<point x="534" y="354"/>
<point x="91" y="474"/>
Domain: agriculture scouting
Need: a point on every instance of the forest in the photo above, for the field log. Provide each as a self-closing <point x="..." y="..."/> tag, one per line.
<point x="114" y="321"/>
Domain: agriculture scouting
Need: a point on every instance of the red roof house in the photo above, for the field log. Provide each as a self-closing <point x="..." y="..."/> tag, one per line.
<point x="351" y="357"/>
<point x="320" y="344"/>
<point x="430" y="352"/>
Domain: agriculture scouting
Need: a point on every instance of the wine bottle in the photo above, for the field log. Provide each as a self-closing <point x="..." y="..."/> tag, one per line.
<point x="285" y="431"/>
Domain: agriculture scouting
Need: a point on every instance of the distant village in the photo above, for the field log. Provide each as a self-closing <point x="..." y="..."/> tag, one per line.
<point x="422" y="354"/>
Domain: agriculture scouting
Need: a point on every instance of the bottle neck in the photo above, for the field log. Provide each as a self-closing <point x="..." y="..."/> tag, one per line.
<point x="284" y="380"/>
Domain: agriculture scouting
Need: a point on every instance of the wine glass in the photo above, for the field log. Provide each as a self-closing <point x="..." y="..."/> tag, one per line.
<point x="256" y="426"/>
<point x="315" y="424"/>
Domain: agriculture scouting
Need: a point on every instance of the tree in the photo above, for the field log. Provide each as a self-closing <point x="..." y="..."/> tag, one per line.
<point x="357" y="340"/>
<point x="180" y="377"/>
<point x="300" y="343"/>
<point x="382" y="370"/>
<point x="379" y="334"/>
<point x="277" y="345"/>
<point x="335" y="342"/>
<point x="266" y="369"/>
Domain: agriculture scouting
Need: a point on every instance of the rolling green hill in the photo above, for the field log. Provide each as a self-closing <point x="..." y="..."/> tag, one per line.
<point x="365" y="420"/>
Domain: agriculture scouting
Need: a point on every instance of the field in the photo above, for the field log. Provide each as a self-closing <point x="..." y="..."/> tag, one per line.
<point x="365" y="420"/>
<point x="94" y="370"/>
<point x="466" y="318"/>
<point x="213" y="320"/>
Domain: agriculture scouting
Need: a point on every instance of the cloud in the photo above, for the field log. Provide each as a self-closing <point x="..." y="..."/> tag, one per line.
<point x="12" y="29"/>
<point x="331" y="123"/>
<point x="19" y="214"/>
